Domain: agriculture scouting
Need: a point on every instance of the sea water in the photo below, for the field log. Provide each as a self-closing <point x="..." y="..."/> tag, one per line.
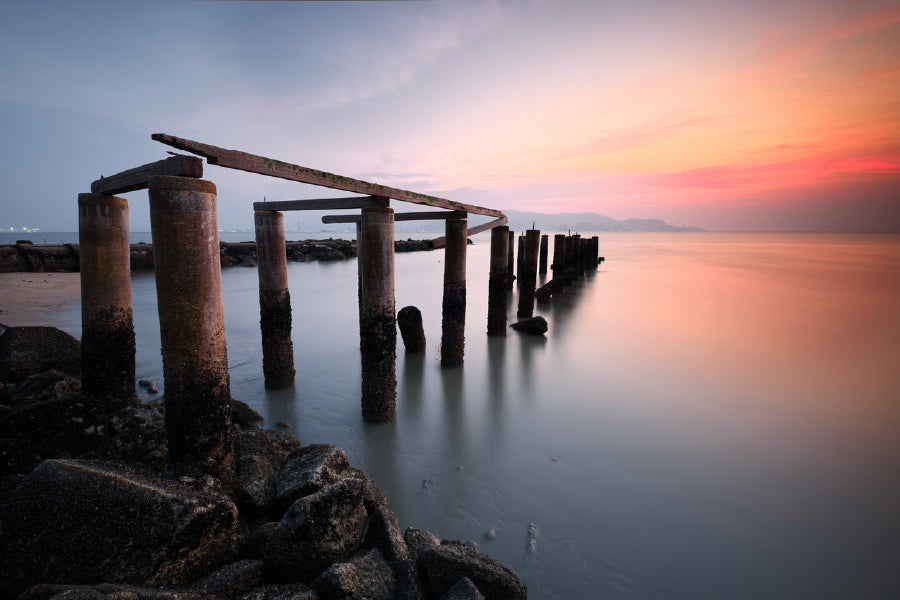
<point x="711" y="415"/>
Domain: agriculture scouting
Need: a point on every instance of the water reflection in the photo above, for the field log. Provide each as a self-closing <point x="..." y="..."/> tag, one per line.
<point x="412" y="382"/>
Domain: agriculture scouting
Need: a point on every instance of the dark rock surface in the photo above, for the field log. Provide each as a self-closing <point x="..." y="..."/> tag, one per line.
<point x="81" y="522"/>
<point x="532" y="326"/>
<point x="463" y="589"/>
<point x="26" y="351"/>
<point x="365" y="576"/>
<point x="448" y="563"/>
<point x="308" y="470"/>
<point x="384" y="534"/>
<point x="317" y="530"/>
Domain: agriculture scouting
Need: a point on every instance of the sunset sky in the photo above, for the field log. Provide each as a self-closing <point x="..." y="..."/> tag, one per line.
<point x="727" y="115"/>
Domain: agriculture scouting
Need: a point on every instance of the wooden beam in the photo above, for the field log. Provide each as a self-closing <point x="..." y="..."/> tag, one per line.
<point x="323" y="204"/>
<point x="432" y="215"/>
<point x="441" y="241"/>
<point x="139" y="177"/>
<point x="242" y="161"/>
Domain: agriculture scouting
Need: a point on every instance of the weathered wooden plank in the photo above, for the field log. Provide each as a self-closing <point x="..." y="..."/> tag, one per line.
<point x="242" y="161"/>
<point x="138" y="178"/>
<point x="439" y="242"/>
<point x="432" y="215"/>
<point x="322" y="204"/>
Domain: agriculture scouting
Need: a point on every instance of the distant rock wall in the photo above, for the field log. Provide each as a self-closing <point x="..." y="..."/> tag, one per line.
<point x="25" y="256"/>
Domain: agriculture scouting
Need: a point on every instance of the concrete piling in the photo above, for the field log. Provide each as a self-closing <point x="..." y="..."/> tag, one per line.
<point x="559" y="254"/>
<point x="520" y="257"/>
<point x="528" y="270"/>
<point x="377" y="321"/>
<point x="192" y="326"/>
<point x="107" y="325"/>
<point x="510" y="265"/>
<point x="274" y="300"/>
<point x="497" y="282"/>
<point x="453" y="318"/>
<point x="542" y="265"/>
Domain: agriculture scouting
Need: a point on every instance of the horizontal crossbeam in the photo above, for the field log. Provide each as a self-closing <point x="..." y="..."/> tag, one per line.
<point x="401" y="216"/>
<point x="323" y="204"/>
<point x="138" y="178"/>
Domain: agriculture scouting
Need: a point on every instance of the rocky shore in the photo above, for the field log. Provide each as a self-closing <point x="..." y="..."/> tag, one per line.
<point x="88" y="510"/>
<point x="25" y="256"/>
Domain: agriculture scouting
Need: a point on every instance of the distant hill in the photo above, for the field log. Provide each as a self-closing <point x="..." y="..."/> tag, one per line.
<point x="518" y="221"/>
<point x="585" y="221"/>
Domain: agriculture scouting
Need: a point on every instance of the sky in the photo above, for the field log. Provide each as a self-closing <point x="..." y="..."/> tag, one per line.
<point x="727" y="115"/>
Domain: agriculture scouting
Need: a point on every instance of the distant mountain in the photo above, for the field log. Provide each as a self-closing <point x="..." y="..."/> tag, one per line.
<point x="518" y="221"/>
<point x="585" y="221"/>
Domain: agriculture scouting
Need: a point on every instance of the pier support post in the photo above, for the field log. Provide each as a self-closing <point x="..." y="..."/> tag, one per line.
<point x="511" y="262"/>
<point x="542" y="265"/>
<point x="559" y="255"/>
<point x="274" y="300"/>
<point x="377" y="319"/>
<point x="192" y="326"/>
<point x="107" y="324"/>
<point x="496" y="325"/>
<point x="520" y="257"/>
<point x="453" y="317"/>
<point x="577" y="253"/>
<point x="528" y="270"/>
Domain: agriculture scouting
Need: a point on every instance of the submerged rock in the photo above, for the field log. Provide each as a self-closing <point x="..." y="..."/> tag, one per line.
<point x="448" y="563"/>
<point x="532" y="326"/>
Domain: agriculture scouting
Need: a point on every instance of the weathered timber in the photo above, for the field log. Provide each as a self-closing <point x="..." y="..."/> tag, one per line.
<point x="322" y="203"/>
<point x="510" y="257"/>
<point x="529" y="273"/>
<point x="431" y="215"/>
<point x="439" y="242"/>
<point x="138" y="178"/>
<point x="409" y="320"/>
<point x="243" y="161"/>
<point x="542" y="265"/>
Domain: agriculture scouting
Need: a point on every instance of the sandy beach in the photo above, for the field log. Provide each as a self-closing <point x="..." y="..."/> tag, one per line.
<point x="31" y="298"/>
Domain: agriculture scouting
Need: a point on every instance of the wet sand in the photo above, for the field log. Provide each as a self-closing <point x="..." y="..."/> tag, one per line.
<point x="33" y="298"/>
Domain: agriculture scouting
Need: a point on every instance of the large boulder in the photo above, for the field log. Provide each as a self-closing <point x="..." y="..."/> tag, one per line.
<point x="85" y="523"/>
<point x="41" y="386"/>
<point x="366" y="576"/>
<point x="309" y="469"/>
<point x="27" y="351"/>
<point x="385" y="535"/>
<point x="419" y="539"/>
<point x="316" y="531"/>
<point x="448" y="563"/>
<point x="464" y="589"/>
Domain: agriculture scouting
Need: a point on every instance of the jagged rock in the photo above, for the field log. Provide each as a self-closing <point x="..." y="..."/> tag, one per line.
<point x="28" y="351"/>
<point x="417" y="540"/>
<point x="79" y="522"/>
<point x="110" y="591"/>
<point x="138" y="435"/>
<point x="412" y="583"/>
<point x="317" y="531"/>
<point x="322" y="252"/>
<point x="448" y="563"/>
<point x="275" y="446"/>
<point x="246" y="417"/>
<point x="256" y="481"/>
<point x="373" y="496"/>
<point x="308" y="470"/>
<point x="463" y="589"/>
<point x="365" y="576"/>
<point x="533" y="326"/>
<point x="42" y="386"/>
<point x="384" y="534"/>
<point x="233" y="580"/>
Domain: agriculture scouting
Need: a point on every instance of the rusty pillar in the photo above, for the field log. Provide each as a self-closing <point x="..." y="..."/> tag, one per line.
<point x="510" y="261"/>
<point x="377" y="320"/>
<point x="542" y="265"/>
<point x="274" y="300"/>
<point x="453" y="316"/>
<point x="497" y="281"/>
<point x="107" y="325"/>
<point x="192" y="326"/>
<point x="528" y="270"/>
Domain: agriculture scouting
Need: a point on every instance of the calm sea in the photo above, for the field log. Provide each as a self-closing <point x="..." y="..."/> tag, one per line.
<point x="711" y="415"/>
